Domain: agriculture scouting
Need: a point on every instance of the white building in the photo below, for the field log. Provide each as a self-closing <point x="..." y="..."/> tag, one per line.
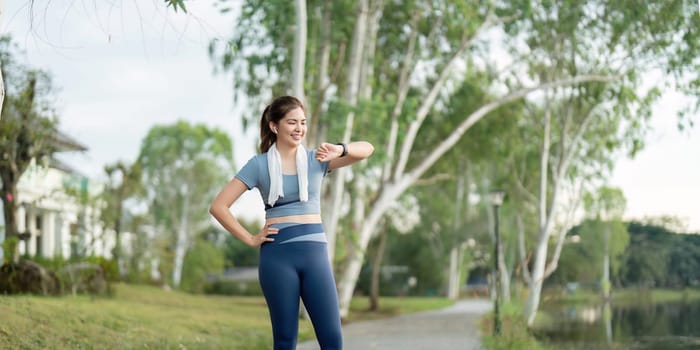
<point x="51" y="219"/>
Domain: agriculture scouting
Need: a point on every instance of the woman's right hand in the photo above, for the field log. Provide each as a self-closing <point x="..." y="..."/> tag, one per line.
<point x="263" y="236"/>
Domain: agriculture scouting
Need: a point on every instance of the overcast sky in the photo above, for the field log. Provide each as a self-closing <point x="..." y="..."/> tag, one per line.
<point x="120" y="70"/>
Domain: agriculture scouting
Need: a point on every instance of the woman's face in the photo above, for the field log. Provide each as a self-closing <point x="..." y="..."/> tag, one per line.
<point x="292" y="128"/>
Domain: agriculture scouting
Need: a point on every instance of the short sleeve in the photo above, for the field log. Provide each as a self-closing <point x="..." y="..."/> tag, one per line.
<point x="249" y="173"/>
<point x="324" y="167"/>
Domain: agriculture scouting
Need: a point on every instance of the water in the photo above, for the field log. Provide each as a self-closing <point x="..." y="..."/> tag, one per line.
<point x="643" y="326"/>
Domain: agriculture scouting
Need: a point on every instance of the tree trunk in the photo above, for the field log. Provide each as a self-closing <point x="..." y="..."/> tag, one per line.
<point x="605" y="283"/>
<point x="453" y="282"/>
<point x="332" y="216"/>
<point x="453" y="274"/>
<point x="314" y="134"/>
<point x="356" y="256"/>
<point x="9" y="200"/>
<point x="376" y="272"/>
<point x="533" y="300"/>
<point x="181" y="245"/>
<point x="299" y="51"/>
<point x="118" y="227"/>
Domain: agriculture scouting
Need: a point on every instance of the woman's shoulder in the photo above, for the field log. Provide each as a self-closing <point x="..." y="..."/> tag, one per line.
<point x="260" y="157"/>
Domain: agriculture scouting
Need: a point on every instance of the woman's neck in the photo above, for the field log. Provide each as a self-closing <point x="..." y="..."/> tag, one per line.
<point x="287" y="152"/>
<point x="288" y="156"/>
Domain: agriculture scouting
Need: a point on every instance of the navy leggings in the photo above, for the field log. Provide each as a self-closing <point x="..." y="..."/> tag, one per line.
<point x="292" y="267"/>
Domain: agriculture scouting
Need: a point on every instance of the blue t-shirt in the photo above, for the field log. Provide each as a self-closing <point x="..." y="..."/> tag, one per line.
<point x="256" y="175"/>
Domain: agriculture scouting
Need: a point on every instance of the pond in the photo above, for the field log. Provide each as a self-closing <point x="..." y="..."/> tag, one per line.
<point x="643" y="326"/>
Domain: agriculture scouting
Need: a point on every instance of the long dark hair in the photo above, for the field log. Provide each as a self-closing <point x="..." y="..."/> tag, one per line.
<point x="274" y="112"/>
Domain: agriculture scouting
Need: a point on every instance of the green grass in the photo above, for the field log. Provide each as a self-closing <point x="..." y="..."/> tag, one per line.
<point x="514" y="331"/>
<point x="145" y="317"/>
<point x="393" y="306"/>
<point x="625" y="296"/>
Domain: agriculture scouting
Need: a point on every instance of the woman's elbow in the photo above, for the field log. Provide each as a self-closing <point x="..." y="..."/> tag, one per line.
<point x="369" y="149"/>
<point x="214" y="210"/>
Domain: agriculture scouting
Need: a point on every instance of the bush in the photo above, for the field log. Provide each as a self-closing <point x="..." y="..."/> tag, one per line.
<point x="229" y="287"/>
<point x="204" y="258"/>
<point x="28" y="277"/>
<point x="83" y="277"/>
<point x="514" y="331"/>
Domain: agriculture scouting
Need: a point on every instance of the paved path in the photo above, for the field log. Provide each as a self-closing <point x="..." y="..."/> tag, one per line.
<point x="449" y="329"/>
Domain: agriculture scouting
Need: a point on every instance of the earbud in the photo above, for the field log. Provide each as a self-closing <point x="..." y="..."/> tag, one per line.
<point x="274" y="130"/>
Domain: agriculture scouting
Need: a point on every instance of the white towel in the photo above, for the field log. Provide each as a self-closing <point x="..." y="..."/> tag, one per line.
<point x="274" y="166"/>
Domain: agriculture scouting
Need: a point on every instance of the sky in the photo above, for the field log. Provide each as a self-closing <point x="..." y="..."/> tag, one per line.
<point x="118" y="70"/>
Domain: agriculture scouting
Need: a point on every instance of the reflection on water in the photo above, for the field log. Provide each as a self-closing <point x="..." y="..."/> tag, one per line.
<point x="668" y="326"/>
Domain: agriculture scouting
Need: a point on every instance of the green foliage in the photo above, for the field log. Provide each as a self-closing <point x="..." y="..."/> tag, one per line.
<point x="424" y="255"/>
<point x="27" y="125"/>
<point x="183" y="166"/>
<point x="658" y="257"/>
<point x="203" y="259"/>
<point x="237" y="253"/>
<point x="175" y="4"/>
<point x="514" y="331"/>
<point x="228" y="287"/>
<point x="9" y="247"/>
<point x="652" y="257"/>
<point x="583" y="261"/>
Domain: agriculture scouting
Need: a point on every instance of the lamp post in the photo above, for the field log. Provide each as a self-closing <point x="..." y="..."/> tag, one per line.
<point x="496" y="199"/>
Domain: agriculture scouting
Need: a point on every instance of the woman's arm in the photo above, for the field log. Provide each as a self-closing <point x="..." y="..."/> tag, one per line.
<point x="219" y="209"/>
<point x="357" y="151"/>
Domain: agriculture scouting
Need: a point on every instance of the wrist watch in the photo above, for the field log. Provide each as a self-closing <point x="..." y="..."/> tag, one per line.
<point x="345" y="149"/>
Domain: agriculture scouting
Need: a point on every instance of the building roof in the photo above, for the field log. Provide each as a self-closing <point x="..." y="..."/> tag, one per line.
<point x="64" y="143"/>
<point x="57" y="164"/>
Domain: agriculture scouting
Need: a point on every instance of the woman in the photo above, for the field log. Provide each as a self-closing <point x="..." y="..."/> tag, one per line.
<point x="293" y="255"/>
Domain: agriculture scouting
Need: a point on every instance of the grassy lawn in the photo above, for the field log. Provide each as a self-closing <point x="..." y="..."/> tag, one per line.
<point x="393" y="306"/>
<point x="622" y="297"/>
<point x="144" y="317"/>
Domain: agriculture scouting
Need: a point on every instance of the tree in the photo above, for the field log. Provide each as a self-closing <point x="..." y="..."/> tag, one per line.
<point x="183" y="166"/>
<point x="123" y="183"/>
<point x="606" y="207"/>
<point x="415" y="56"/>
<point x="27" y="127"/>
<point x="595" y="36"/>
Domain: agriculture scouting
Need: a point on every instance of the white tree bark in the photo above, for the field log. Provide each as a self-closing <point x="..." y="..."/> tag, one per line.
<point x="299" y="51"/>
<point x="454" y="272"/>
<point x="546" y="215"/>
<point x="182" y="241"/>
<point x="453" y="275"/>
<point x="314" y="134"/>
<point x="544" y="222"/>
<point x="332" y="214"/>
